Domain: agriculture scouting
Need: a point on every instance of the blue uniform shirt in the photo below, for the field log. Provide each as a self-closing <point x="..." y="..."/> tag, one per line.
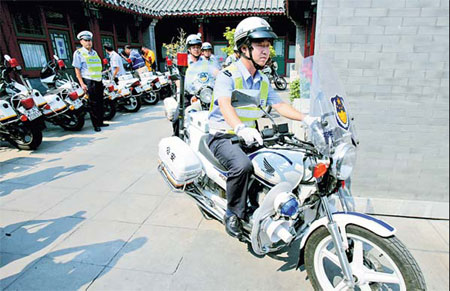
<point x="136" y="59"/>
<point x="116" y="61"/>
<point x="224" y="87"/>
<point x="80" y="63"/>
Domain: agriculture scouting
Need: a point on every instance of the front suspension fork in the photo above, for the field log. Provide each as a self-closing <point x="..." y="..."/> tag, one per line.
<point x="339" y="244"/>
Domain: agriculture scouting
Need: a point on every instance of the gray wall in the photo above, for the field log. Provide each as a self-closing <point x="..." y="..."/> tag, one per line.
<point x="393" y="56"/>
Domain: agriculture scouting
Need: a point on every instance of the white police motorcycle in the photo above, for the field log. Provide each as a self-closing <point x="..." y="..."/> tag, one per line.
<point x="297" y="185"/>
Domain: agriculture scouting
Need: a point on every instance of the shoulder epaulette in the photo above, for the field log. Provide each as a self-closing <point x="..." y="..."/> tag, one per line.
<point x="227" y="73"/>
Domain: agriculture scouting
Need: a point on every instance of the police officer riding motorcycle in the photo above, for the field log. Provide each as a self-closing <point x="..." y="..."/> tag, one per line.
<point x="253" y="38"/>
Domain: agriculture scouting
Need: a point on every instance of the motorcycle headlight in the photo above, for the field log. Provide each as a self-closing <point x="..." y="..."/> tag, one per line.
<point x="206" y="95"/>
<point x="286" y="204"/>
<point x="344" y="161"/>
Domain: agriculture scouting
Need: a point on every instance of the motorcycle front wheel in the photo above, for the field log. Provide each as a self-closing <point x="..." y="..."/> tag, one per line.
<point x="377" y="263"/>
<point x="150" y="98"/>
<point x="109" y="109"/>
<point x="133" y="104"/>
<point x="31" y="139"/>
<point x="280" y="83"/>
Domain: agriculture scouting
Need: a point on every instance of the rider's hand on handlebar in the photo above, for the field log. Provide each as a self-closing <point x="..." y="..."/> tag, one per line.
<point x="249" y="135"/>
<point x="308" y="120"/>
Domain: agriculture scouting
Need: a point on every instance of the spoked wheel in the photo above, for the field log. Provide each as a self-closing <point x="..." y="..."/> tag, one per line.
<point x="150" y="98"/>
<point x="280" y="83"/>
<point x="133" y="104"/>
<point x="31" y="139"/>
<point x="377" y="263"/>
<point x="73" y="122"/>
<point x="110" y="110"/>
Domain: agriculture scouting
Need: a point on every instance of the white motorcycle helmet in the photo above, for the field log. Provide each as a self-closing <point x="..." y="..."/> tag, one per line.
<point x="193" y="39"/>
<point x="206" y="46"/>
<point x="252" y="29"/>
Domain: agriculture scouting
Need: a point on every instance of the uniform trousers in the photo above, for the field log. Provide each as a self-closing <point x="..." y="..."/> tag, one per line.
<point x="240" y="169"/>
<point x="96" y="110"/>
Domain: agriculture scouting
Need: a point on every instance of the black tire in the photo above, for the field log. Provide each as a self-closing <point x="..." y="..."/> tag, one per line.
<point x="393" y="247"/>
<point x="110" y="110"/>
<point x="135" y="105"/>
<point x="75" y="122"/>
<point x="35" y="139"/>
<point x="150" y="98"/>
<point x="280" y="83"/>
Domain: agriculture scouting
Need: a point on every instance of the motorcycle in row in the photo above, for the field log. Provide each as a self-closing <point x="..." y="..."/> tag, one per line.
<point x="21" y="120"/>
<point x="271" y="72"/>
<point x="299" y="187"/>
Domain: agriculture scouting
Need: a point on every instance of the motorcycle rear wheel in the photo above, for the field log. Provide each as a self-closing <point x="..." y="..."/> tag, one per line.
<point x="75" y="122"/>
<point x="150" y="98"/>
<point x="135" y="104"/>
<point x="30" y="141"/>
<point x="280" y="83"/>
<point x="376" y="262"/>
<point x="109" y="110"/>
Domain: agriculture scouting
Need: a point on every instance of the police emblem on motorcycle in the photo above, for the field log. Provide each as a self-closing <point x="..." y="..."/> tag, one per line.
<point x="341" y="112"/>
<point x="203" y="77"/>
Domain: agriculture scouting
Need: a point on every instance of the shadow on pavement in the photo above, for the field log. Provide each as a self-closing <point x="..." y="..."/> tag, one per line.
<point x="16" y="165"/>
<point x="47" y="175"/>
<point x="62" y="146"/>
<point x="34" y="235"/>
<point x="63" y="269"/>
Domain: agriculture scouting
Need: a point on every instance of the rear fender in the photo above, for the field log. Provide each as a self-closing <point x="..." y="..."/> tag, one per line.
<point x="343" y="219"/>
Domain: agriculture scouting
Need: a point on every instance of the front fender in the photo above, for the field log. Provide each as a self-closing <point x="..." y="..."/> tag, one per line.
<point x="343" y="219"/>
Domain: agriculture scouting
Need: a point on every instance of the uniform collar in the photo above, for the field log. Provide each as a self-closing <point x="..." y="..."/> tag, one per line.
<point x="246" y="74"/>
<point x="86" y="51"/>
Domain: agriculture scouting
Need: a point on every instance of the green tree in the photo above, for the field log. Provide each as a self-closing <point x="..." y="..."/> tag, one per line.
<point x="177" y="46"/>
<point x="229" y="36"/>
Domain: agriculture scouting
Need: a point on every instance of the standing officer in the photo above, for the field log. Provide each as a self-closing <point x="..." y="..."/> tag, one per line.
<point x="88" y="69"/>
<point x="253" y="38"/>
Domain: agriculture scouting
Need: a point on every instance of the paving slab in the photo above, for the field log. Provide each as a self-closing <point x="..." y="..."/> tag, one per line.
<point x="150" y="184"/>
<point x="51" y="274"/>
<point x="38" y="199"/>
<point x="435" y="268"/>
<point x="138" y="208"/>
<point x="97" y="241"/>
<point x="114" y="180"/>
<point x="177" y="212"/>
<point x="90" y="202"/>
<point x="11" y="220"/>
<point x="161" y="253"/>
<point x="120" y="279"/>
<point x="219" y="262"/>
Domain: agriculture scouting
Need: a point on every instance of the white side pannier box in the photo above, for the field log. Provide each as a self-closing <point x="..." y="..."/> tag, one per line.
<point x="170" y="106"/>
<point x="179" y="163"/>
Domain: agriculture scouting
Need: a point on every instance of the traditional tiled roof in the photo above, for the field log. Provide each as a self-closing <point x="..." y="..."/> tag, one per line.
<point x="160" y="8"/>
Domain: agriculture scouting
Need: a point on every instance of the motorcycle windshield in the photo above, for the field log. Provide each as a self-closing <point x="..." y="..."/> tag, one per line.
<point x="328" y="102"/>
<point x="199" y="75"/>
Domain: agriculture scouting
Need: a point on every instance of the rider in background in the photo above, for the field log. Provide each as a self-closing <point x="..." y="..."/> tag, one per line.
<point x="253" y="38"/>
<point x="149" y="57"/>
<point x="194" y="46"/>
<point x="208" y="55"/>
<point x="232" y="58"/>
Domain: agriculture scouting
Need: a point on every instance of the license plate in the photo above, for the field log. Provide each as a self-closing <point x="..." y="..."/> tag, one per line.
<point x="158" y="85"/>
<point x="77" y="103"/>
<point x="33" y="113"/>
<point x="147" y="87"/>
<point x="138" y="89"/>
<point x="80" y="91"/>
<point x="125" y="92"/>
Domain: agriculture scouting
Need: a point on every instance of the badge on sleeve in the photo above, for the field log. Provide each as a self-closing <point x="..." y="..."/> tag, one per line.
<point x="340" y="112"/>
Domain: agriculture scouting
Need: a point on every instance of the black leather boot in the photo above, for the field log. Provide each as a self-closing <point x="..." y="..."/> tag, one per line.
<point x="233" y="226"/>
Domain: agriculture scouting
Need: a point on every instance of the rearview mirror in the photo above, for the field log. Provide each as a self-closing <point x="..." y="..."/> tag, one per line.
<point x="245" y="98"/>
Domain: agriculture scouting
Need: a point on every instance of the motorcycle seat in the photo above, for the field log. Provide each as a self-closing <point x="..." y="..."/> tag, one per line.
<point x="206" y="152"/>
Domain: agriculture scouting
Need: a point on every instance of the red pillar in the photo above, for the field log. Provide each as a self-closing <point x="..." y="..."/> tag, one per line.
<point x="95" y="29"/>
<point x="201" y="30"/>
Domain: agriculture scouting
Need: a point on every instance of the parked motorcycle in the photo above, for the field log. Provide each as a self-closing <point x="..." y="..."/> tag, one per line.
<point x="271" y="72"/>
<point x="297" y="185"/>
<point x="151" y="85"/>
<point x="21" y="121"/>
<point x="60" y="84"/>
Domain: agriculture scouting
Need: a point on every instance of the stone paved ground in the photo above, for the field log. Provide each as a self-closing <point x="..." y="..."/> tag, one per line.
<point x="89" y="211"/>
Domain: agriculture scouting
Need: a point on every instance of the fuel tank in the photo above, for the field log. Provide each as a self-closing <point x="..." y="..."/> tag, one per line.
<point x="275" y="166"/>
